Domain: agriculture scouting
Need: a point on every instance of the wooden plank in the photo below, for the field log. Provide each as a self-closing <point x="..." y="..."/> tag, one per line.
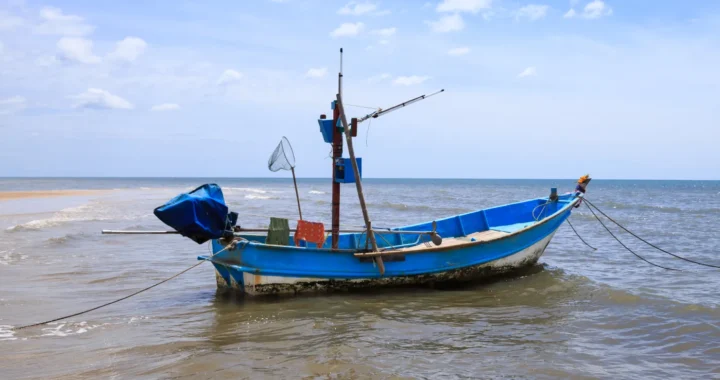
<point x="447" y="242"/>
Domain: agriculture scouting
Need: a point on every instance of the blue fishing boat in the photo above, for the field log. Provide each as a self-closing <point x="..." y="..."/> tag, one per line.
<point x="457" y="248"/>
<point x="475" y="245"/>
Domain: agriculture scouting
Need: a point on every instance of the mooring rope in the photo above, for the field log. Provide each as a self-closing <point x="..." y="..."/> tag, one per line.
<point x="128" y="296"/>
<point x="544" y="205"/>
<point x="626" y="247"/>
<point x="578" y="235"/>
<point x="648" y="243"/>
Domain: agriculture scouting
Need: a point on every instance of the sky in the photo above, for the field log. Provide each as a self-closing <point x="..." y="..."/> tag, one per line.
<point x="542" y="89"/>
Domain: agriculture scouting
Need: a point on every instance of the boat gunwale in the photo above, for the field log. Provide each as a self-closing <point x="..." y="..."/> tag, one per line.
<point x="472" y="243"/>
<point x="359" y="254"/>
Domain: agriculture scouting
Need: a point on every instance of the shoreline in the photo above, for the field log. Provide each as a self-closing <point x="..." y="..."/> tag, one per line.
<point x="29" y="194"/>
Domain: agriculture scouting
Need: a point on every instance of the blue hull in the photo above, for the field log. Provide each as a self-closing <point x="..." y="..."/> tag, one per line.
<point x="475" y="245"/>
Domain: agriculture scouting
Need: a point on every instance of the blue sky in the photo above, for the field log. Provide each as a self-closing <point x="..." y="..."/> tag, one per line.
<point x="540" y="89"/>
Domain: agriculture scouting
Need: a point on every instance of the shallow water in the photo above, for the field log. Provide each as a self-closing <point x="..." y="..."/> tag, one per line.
<point x="579" y="314"/>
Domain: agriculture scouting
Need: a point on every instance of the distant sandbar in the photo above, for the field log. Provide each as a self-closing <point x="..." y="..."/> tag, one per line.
<point x="9" y="195"/>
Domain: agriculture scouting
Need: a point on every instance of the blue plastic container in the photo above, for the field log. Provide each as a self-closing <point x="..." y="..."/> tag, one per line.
<point x="344" y="172"/>
<point x="326" y="128"/>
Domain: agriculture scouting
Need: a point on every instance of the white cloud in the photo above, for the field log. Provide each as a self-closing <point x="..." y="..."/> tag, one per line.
<point x="383" y="42"/>
<point x="379" y="78"/>
<point x="528" y="72"/>
<point x="12" y="100"/>
<point x="229" y="76"/>
<point x="596" y="9"/>
<point x="473" y="6"/>
<point x="77" y="49"/>
<point x="58" y="23"/>
<point x="9" y="22"/>
<point x="316" y="73"/>
<point x="47" y="61"/>
<point x="12" y="105"/>
<point x="459" y="51"/>
<point x="592" y="10"/>
<point x="128" y="49"/>
<point x="411" y="80"/>
<point x="452" y="23"/>
<point x="348" y="29"/>
<point x="95" y="98"/>
<point x="357" y="9"/>
<point x="387" y="32"/>
<point x="533" y="11"/>
<point x="165" y="107"/>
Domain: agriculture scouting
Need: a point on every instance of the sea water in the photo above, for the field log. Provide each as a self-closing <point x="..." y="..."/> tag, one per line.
<point x="578" y="314"/>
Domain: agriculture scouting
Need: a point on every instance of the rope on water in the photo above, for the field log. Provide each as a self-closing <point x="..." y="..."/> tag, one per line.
<point x="647" y="242"/>
<point x="126" y="297"/>
<point x="626" y="247"/>
<point x="578" y="235"/>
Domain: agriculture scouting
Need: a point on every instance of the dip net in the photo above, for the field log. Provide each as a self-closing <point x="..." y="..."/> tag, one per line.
<point x="283" y="157"/>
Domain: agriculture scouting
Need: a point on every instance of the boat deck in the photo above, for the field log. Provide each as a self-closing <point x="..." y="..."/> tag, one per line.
<point x="450" y="242"/>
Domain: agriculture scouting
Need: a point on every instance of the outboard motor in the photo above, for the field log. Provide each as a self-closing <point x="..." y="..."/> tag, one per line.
<point x="200" y="215"/>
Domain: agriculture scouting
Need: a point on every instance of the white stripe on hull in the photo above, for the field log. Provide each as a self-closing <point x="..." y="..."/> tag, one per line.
<point x="258" y="284"/>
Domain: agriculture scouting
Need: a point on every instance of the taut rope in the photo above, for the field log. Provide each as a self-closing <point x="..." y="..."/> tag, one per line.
<point x="128" y="296"/>
<point x="647" y="242"/>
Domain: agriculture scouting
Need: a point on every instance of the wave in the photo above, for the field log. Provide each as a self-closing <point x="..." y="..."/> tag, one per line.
<point x="621" y="206"/>
<point x="657" y="208"/>
<point x="231" y="190"/>
<point x="316" y="192"/>
<point x="65" y="329"/>
<point x="401" y="206"/>
<point x="66" y="238"/>
<point x="625" y="297"/>
<point x="7" y="333"/>
<point x="91" y="212"/>
<point x="11" y="257"/>
<point x="262" y="197"/>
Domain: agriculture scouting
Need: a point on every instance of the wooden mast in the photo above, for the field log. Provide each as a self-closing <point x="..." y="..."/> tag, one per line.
<point x="337" y="148"/>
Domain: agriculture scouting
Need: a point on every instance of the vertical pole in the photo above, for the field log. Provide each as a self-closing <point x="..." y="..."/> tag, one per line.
<point x="358" y="183"/>
<point x="337" y="145"/>
<point x="297" y="194"/>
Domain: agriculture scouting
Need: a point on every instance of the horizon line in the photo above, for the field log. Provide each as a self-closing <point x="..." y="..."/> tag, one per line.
<point x="328" y="178"/>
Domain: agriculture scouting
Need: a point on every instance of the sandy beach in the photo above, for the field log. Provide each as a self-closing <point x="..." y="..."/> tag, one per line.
<point x="11" y="195"/>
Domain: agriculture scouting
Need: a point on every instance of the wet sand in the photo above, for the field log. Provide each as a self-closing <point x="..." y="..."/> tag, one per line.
<point x="11" y="195"/>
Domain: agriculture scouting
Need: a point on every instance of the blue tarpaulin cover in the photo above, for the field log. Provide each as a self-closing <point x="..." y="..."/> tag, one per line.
<point x="200" y="215"/>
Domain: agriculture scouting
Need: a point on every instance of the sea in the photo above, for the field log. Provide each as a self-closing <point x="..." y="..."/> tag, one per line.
<point x="578" y="314"/>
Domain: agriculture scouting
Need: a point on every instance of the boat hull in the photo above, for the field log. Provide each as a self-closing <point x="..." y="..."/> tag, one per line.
<point x="257" y="285"/>
<point x="506" y="238"/>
